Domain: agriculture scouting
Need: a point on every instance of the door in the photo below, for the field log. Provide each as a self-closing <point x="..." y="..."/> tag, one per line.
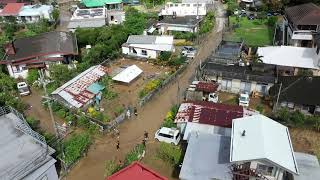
<point x="245" y="86"/>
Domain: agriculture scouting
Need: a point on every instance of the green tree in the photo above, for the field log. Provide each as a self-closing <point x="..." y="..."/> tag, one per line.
<point x="55" y="14"/>
<point x="60" y="73"/>
<point x="33" y="75"/>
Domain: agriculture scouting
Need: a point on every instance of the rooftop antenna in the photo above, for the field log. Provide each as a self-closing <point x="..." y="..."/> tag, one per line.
<point x="243" y="133"/>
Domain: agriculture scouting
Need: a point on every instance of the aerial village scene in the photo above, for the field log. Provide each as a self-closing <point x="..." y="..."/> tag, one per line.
<point x="159" y="89"/>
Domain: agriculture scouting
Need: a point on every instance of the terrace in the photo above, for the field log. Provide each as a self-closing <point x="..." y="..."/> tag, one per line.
<point x="94" y="13"/>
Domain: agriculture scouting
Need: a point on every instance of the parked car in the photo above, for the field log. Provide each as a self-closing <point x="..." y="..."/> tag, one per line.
<point x="168" y="135"/>
<point x="23" y="88"/>
<point x="213" y="97"/>
<point x="189" y="52"/>
<point x="244" y="99"/>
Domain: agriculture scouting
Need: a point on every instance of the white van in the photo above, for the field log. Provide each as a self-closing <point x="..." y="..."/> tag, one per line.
<point x="168" y="135"/>
<point x="23" y="88"/>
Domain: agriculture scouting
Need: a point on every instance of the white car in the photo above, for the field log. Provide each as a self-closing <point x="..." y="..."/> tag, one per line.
<point x="189" y="52"/>
<point x="168" y="135"/>
<point x="244" y="99"/>
<point x="23" y="88"/>
<point x="213" y="97"/>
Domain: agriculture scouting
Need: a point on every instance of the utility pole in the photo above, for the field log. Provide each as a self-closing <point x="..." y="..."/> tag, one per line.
<point x="56" y="132"/>
<point x="276" y="105"/>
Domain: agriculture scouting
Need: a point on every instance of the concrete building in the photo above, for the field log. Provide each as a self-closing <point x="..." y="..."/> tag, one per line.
<point x="27" y="13"/>
<point x="145" y="46"/>
<point x="250" y="151"/>
<point x="237" y="79"/>
<point x="167" y="24"/>
<point x="39" y="52"/>
<point x="300" y="23"/>
<point x="24" y="153"/>
<point x="184" y="9"/>
<point x="289" y="60"/>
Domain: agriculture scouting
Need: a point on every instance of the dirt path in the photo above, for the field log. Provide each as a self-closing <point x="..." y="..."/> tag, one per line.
<point x="150" y="118"/>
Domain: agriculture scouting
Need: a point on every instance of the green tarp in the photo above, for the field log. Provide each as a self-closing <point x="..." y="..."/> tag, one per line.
<point x="95" y="88"/>
<point x="99" y="3"/>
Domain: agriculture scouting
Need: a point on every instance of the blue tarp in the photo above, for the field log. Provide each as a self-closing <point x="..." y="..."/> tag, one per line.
<point x="95" y="88"/>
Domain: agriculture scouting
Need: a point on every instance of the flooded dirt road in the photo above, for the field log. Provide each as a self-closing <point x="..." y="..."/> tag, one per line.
<point x="149" y="118"/>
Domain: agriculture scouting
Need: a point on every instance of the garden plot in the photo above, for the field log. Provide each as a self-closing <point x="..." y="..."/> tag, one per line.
<point x="121" y="95"/>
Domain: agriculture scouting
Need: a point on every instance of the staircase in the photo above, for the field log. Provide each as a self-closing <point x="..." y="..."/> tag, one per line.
<point x="244" y="172"/>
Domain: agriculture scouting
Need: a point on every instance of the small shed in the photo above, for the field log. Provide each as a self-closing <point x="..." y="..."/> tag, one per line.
<point x="128" y="74"/>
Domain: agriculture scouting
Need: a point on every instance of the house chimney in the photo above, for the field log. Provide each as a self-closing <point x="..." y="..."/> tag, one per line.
<point x="9" y="48"/>
<point x="243" y="133"/>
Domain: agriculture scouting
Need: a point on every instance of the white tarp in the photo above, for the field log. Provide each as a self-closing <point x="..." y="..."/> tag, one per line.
<point x="129" y="74"/>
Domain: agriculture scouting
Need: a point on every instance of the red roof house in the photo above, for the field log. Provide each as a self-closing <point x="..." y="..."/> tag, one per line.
<point x="11" y="9"/>
<point x="136" y="171"/>
<point x="208" y="113"/>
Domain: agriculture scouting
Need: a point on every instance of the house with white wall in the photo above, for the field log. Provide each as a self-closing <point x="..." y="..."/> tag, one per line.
<point x="257" y="148"/>
<point x="300" y="23"/>
<point x="289" y="60"/>
<point x="146" y="46"/>
<point x="184" y="9"/>
<point x="39" y="51"/>
<point x="24" y="154"/>
<point x="27" y="13"/>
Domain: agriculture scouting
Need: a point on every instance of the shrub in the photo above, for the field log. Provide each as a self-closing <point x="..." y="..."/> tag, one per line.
<point x="83" y="121"/>
<point x="93" y="128"/>
<point x="207" y="24"/>
<point x="33" y="123"/>
<point x="177" y="60"/>
<point x="33" y="75"/>
<point x="75" y="147"/>
<point x="169" y="120"/>
<point x="165" y="56"/>
<point x="260" y="108"/>
<point x="70" y="117"/>
<point x="184" y="35"/>
<point x="134" y="155"/>
<point x="150" y="86"/>
<point x="119" y="110"/>
<point x="169" y="153"/>
<point x="61" y="113"/>
<point x="111" y="167"/>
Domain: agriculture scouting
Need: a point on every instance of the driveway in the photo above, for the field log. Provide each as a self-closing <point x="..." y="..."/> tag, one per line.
<point x="149" y="118"/>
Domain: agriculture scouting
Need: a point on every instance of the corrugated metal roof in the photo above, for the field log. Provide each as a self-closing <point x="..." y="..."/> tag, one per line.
<point x="309" y="167"/>
<point x="206" y="158"/>
<point x="99" y="3"/>
<point x="129" y="74"/>
<point x="75" y="91"/>
<point x="263" y="139"/>
<point x="12" y="9"/>
<point x="208" y="113"/>
<point x="136" y="171"/>
<point x="207" y="87"/>
<point x="304" y="14"/>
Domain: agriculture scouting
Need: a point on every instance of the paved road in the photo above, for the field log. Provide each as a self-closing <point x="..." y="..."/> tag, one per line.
<point x="150" y="118"/>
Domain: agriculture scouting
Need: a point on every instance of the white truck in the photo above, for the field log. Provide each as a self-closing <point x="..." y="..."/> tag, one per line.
<point x="244" y="100"/>
<point x="23" y="88"/>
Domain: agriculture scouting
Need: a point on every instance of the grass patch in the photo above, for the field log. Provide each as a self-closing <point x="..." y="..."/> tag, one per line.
<point x="253" y="32"/>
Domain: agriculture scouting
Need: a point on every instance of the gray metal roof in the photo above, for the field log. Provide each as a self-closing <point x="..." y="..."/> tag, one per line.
<point x="141" y="39"/>
<point x="20" y="150"/>
<point x="308" y="166"/>
<point x="206" y="158"/>
<point x="86" y="23"/>
<point x="54" y="42"/>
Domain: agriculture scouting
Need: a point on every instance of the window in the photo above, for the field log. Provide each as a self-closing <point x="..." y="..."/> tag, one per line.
<point x="199" y="5"/>
<point x="318" y="50"/>
<point x="165" y="135"/>
<point x="171" y="5"/>
<point x="194" y="5"/>
<point x="265" y="170"/>
<point x="188" y="5"/>
<point x="177" y="136"/>
<point x="144" y="52"/>
<point x="183" y="5"/>
<point x="112" y="18"/>
<point x="176" y="5"/>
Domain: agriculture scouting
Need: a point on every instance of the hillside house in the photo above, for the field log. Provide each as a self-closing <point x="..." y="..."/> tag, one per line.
<point x="27" y="13"/>
<point x="24" y="154"/>
<point x="39" y="52"/>
<point x="249" y="152"/>
<point x="236" y="79"/>
<point x="184" y="9"/>
<point x="300" y="23"/>
<point x="147" y="46"/>
<point x="297" y="93"/>
<point x="289" y="60"/>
